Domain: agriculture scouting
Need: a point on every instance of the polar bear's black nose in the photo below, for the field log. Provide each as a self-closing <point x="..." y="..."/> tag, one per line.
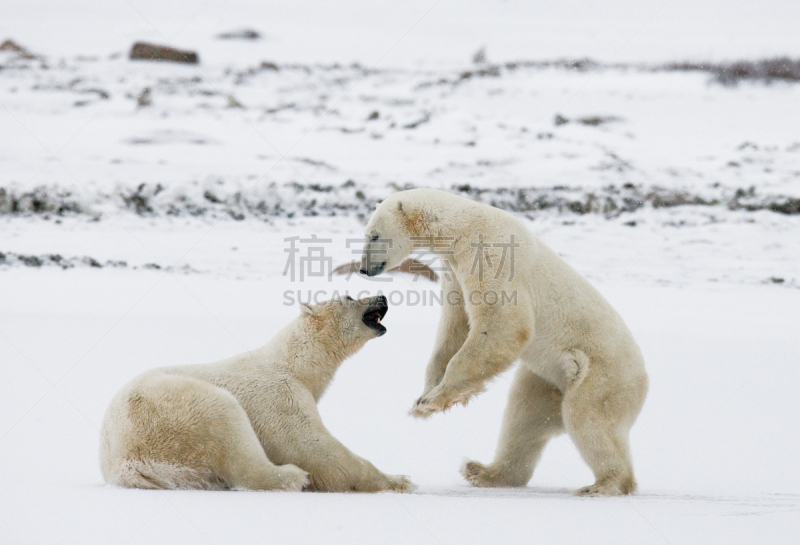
<point x="372" y="269"/>
<point x="381" y="300"/>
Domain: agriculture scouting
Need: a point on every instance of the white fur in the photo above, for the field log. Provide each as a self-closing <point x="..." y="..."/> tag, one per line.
<point x="225" y="425"/>
<point x="581" y="370"/>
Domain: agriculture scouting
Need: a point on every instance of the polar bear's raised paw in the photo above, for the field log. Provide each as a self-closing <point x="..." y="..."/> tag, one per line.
<point x="441" y="399"/>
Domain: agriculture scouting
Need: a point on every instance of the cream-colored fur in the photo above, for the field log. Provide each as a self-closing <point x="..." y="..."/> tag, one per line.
<point x="581" y="370"/>
<point x="225" y="425"/>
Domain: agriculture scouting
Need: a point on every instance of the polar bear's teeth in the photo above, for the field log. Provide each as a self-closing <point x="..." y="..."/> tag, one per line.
<point x="379" y="320"/>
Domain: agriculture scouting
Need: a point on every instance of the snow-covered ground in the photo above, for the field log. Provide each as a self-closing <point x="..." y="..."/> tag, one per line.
<point x="134" y="235"/>
<point x="714" y="447"/>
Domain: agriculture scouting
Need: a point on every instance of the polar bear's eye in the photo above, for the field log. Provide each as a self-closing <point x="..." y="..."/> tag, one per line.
<point x="348" y="298"/>
<point x="375" y="237"/>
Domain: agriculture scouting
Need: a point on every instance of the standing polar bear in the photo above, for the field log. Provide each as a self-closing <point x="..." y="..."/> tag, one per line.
<point x="507" y="296"/>
<point x="224" y="425"/>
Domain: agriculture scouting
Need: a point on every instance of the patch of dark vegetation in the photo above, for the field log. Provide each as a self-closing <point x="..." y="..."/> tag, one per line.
<point x="210" y="197"/>
<point x="488" y="72"/>
<point x="11" y="259"/>
<point x="242" y="34"/>
<point x="30" y="260"/>
<point x="282" y="107"/>
<point x="40" y="201"/>
<point x="315" y="163"/>
<point x="496" y="70"/>
<point x="343" y="73"/>
<point x="592" y="121"/>
<point x="421" y="121"/>
<point x="294" y="200"/>
<point x="139" y="200"/>
<point x="55" y="260"/>
<point x="731" y="73"/>
<point x="578" y="65"/>
<point x="764" y="70"/>
<point x="612" y="201"/>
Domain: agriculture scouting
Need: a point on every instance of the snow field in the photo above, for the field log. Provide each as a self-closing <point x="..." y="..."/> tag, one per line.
<point x="713" y="446"/>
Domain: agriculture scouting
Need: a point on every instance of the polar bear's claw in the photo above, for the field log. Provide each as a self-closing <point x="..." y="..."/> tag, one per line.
<point x="439" y="400"/>
<point x="401" y="483"/>
<point x="426" y="408"/>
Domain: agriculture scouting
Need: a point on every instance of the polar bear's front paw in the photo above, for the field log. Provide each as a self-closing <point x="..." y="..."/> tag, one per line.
<point x="441" y="399"/>
<point x="436" y="400"/>
<point x="423" y="408"/>
<point x="478" y="474"/>
<point x="400" y="483"/>
<point x="492" y="476"/>
<point x="294" y="478"/>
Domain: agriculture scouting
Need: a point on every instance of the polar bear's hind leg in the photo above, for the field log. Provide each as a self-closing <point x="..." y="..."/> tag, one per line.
<point x="164" y="475"/>
<point x="532" y="417"/>
<point x="598" y="420"/>
<point x="178" y="432"/>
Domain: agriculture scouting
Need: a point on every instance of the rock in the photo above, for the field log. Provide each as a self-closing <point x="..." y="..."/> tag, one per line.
<point x="14" y="47"/>
<point x="233" y="103"/>
<point x="592" y="121"/>
<point x="10" y="45"/>
<point x="596" y="120"/>
<point x="243" y="34"/>
<point x="6" y="202"/>
<point x="144" y="100"/>
<point x="151" y="52"/>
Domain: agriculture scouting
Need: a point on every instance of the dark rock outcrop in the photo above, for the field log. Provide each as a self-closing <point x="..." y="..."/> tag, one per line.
<point x="151" y="52"/>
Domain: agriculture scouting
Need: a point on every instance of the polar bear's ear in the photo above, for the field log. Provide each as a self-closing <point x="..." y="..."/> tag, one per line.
<point x="305" y="308"/>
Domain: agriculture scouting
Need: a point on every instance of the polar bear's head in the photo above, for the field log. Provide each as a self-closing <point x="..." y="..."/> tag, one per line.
<point x="346" y="323"/>
<point x="389" y="236"/>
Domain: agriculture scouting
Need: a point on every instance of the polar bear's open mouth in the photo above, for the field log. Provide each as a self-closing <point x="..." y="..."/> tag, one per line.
<point x="373" y="316"/>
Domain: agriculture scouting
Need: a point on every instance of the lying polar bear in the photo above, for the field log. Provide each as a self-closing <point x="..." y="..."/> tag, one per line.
<point x="224" y="425"/>
<point x="507" y="296"/>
